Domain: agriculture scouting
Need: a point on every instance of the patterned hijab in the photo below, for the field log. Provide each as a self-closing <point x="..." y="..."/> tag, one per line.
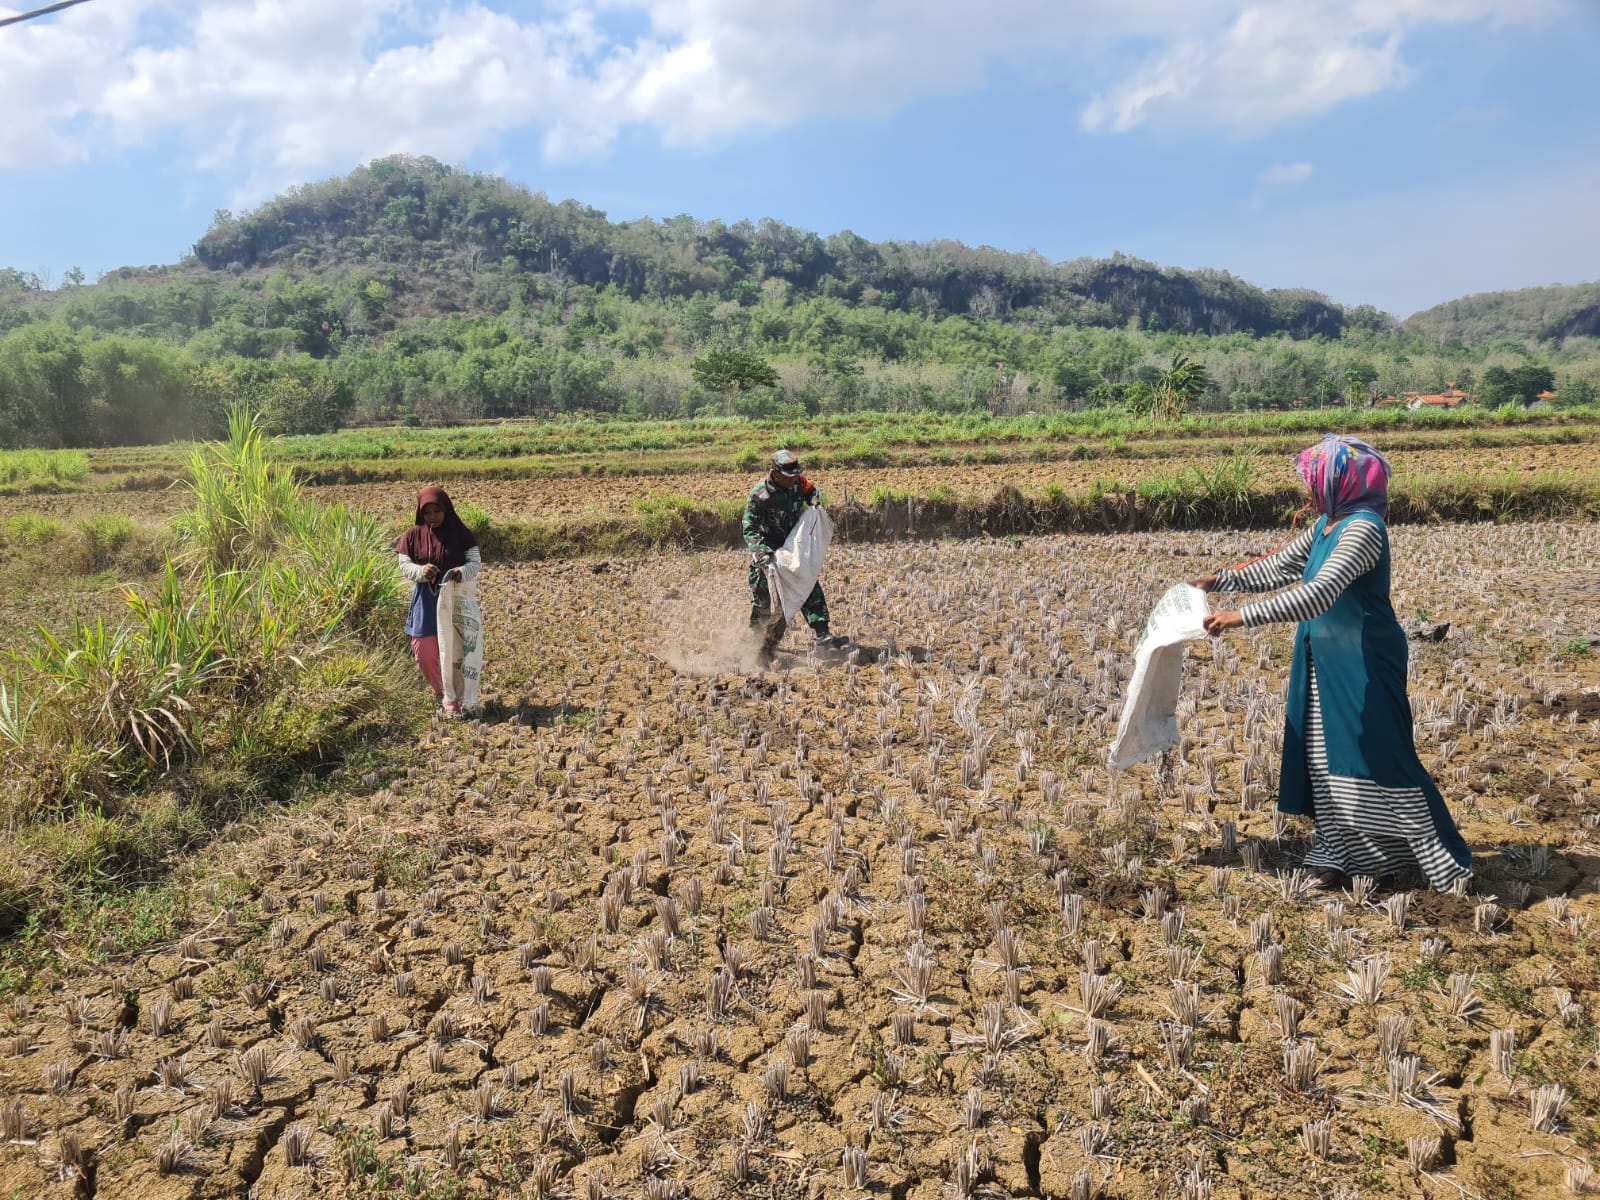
<point x="446" y="547"/>
<point x="1345" y="475"/>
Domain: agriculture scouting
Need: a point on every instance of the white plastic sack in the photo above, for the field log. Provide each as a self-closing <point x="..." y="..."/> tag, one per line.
<point x="798" y="565"/>
<point x="460" y="643"/>
<point x="1149" y="721"/>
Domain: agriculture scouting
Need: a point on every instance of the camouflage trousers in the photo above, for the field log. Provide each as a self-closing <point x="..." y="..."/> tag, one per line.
<point x="814" y="610"/>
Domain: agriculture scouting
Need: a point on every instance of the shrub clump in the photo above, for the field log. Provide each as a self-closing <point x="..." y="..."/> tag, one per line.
<point x="101" y="538"/>
<point x="31" y="530"/>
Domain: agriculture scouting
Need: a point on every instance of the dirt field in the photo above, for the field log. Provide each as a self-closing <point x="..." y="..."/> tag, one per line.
<point x="662" y="925"/>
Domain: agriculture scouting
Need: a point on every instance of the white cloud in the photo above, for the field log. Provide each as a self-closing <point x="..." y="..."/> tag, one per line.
<point x="1284" y="174"/>
<point x="1477" y="114"/>
<point x="1278" y="177"/>
<point x="276" y="90"/>
<point x="51" y="75"/>
<point x="1279" y="60"/>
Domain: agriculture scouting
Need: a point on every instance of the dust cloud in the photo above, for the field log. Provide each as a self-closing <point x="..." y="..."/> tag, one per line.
<point x="704" y="629"/>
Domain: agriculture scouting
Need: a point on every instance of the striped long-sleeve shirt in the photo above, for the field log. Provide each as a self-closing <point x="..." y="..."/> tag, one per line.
<point x="1358" y="548"/>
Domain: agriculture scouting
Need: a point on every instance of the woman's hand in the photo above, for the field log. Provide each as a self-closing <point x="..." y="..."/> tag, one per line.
<point x="1205" y="583"/>
<point x="453" y="576"/>
<point x="429" y="572"/>
<point x="1222" y="619"/>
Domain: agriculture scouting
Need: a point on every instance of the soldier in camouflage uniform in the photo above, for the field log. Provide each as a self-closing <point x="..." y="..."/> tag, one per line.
<point x="774" y="508"/>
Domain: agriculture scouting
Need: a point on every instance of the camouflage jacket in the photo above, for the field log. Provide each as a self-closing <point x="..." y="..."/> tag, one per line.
<point x="772" y="512"/>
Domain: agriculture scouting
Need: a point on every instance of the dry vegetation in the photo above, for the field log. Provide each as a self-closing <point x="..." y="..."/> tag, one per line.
<point x="657" y="926"/>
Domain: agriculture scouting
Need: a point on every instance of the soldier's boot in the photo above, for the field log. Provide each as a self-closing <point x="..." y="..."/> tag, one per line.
<point x="826" y="640"/>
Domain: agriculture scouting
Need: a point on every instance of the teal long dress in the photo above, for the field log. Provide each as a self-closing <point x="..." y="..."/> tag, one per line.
<point x="1349" y="759"/>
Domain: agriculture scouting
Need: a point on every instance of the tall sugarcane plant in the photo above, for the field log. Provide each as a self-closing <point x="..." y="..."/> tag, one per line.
<point x="243" y="502"/>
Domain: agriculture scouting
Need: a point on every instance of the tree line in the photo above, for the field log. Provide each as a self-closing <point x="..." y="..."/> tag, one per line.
<point x="73" y="385"/>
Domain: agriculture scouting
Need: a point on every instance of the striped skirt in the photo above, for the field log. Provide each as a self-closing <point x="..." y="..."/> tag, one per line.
<point x="1366" y="829"/>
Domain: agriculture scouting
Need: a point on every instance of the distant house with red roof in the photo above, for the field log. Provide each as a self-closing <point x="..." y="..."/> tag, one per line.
<point x="1449" y="398"/>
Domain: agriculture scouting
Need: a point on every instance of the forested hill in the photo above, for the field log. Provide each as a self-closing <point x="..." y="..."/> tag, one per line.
<point x="465" y="243"/>
<point x="421" y="217"/>
<point x="1533" y="314"/>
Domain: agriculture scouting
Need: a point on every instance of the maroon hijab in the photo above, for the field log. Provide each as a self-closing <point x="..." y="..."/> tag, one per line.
<point x="445" y="547"/>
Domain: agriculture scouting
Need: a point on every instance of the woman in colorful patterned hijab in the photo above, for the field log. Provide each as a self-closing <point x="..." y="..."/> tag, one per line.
<point x="1349" y="761"/>
<point x="1345" y="475"/>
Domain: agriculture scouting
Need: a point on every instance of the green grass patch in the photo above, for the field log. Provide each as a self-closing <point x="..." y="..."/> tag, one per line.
<point x="664" y="520"/>
<point x="31" y="530"/>
<point x="34" y="547"/>
<point x="1222" y="493"/>
<point x="475" y="517"/>
<point x="1495" y="496"/>
<point x="42" y="470"/>
<point x="268" y="648"/>
<point x="881" y="496"/>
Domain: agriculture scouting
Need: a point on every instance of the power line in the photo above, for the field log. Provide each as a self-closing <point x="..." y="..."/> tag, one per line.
<point x="41" y="12"/>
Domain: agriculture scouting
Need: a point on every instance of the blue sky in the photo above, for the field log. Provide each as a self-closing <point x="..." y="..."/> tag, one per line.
<point x="1392" y="152"/>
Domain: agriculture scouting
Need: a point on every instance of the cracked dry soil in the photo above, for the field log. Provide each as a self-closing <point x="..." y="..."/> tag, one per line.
<point x="883" y="925"/>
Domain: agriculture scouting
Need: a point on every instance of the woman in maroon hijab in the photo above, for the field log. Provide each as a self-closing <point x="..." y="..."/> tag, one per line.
<point x="438" y="547"/>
